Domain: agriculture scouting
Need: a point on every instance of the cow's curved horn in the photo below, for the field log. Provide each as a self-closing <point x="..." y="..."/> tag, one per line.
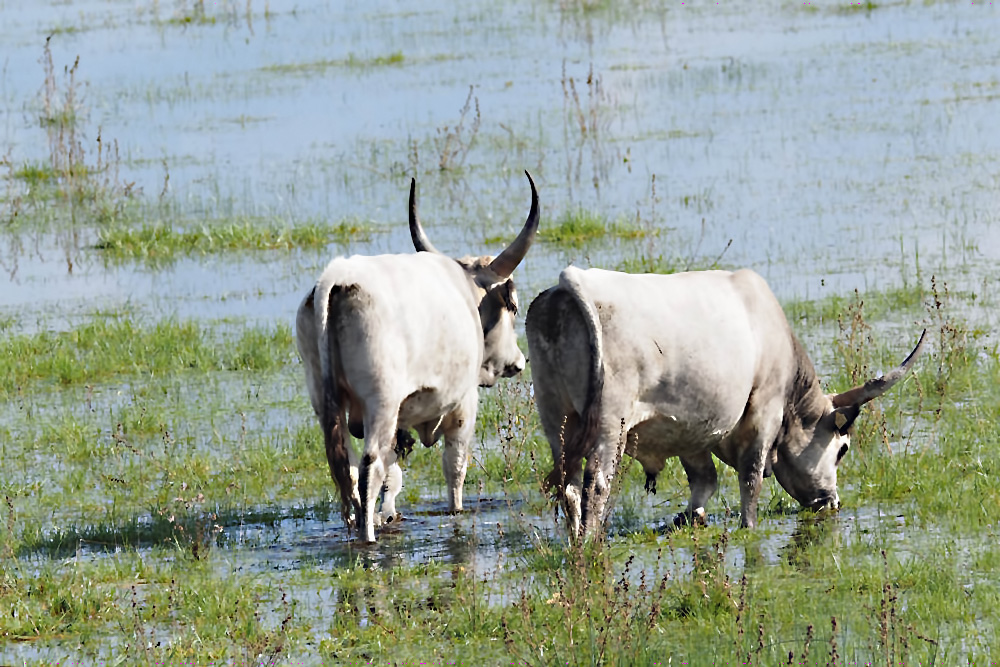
<point x="505" y="263"/>
<point x="420" y="240"/>
<point x="878" y="386"/>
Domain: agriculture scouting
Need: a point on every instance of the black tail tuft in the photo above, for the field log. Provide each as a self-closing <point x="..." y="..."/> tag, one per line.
<point x="332" y="421"/>
<point x="651" y="483"/>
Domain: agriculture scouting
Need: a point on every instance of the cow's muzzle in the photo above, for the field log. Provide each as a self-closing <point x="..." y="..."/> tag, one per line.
<point x="510" y="370"/>
<point x="824" y="501"/>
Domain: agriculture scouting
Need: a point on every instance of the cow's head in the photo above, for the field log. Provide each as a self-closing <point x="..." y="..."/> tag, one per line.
<point x="497" y="298"/>
<point x="816" y="434"/>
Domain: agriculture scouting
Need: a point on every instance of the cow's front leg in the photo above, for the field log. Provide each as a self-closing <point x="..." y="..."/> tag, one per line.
<point x="702" y="482"/>
<point x="459" y="428"/>
<point x="750" y="469"/>
<point x="390" y="489"/>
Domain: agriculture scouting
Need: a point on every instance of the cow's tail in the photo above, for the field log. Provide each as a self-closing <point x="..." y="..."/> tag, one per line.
<point x="331" y="414"/>
<point x="580" y="442"/>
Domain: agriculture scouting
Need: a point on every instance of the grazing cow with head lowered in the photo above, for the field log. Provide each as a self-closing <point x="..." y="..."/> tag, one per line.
<point x="393" y="342"/>
<point x="687" y="365"/>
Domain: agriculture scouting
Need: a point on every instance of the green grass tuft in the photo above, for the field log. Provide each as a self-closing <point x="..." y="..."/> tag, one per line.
<point x="878" y="304"/>
<point x="580" y="226"/>
<point x="109" y="346"/>
<point x="352" y="61"/>
<point x="854" y="7"/>
<point x="646" y="264"/>
<point x="164" y="242"/>
<point x="35" y="173"/>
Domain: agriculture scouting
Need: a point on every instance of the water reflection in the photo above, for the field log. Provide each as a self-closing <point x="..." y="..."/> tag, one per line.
<point x="473" y="540"/>
<point x="813" y="531"/>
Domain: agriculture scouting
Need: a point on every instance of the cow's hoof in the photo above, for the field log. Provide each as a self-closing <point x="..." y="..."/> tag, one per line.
<point x="393" y="518"/>
<point x="695" y="518"/>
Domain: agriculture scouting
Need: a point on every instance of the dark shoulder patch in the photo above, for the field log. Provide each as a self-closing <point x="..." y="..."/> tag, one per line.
<point x="806" y="394"/>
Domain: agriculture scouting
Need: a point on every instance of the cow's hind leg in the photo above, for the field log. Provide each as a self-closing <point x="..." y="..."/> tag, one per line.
<point x="379" y="456"/>
<point x="561" y="425"/>
<point x="702" y="481"/>
<point x="566" y="478"/>
<point x="598" y="473"/>
<point x="573" y="496"/>
<point x="595" y="492"/>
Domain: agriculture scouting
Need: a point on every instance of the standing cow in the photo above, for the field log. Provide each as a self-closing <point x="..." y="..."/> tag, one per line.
<point x="392" y="342"/>
<point x="687" y="365"/>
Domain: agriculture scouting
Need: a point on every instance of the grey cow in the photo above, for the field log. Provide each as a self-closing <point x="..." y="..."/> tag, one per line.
<point x="687" y="365"/>
<point x="392" y="342"/>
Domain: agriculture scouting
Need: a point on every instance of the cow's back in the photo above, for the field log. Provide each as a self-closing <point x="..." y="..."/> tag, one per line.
<point x="682" y="343"/>
<point x="686" y="349"/>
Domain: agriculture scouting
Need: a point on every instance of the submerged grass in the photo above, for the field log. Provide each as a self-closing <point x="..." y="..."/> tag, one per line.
<point x="166" y="610"/>
<point x="113" y="345"/>
<point x="878" y="304"/>
<point x="352" y="61"/>
<point x="599" y="604"/>
<point x="89" y="186"/>
<point x="168" y="482"/>
<point x="165" y="241"/>
<point x="579" y="226"/>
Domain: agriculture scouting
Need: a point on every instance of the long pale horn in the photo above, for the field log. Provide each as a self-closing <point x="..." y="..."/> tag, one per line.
<point x="505" y="263"/>
<point x="420" y="240"/>
<point x="878" y="386"/>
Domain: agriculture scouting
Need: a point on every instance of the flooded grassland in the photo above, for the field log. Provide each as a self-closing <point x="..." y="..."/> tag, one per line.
<point x="176" y="174"/>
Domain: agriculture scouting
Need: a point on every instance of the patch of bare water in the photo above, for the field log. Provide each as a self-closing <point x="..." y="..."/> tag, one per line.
<point x="479" y="539"/>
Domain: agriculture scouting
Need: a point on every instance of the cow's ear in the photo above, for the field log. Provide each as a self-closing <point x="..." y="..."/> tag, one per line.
<point x="844" y="416"/>
<point x="510" y="296"/>
<point x="505" y="294"/>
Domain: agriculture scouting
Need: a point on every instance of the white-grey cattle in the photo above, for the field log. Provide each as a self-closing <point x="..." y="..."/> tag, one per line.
<point x="687" y="365"/>
<point x="393" y="342"/>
